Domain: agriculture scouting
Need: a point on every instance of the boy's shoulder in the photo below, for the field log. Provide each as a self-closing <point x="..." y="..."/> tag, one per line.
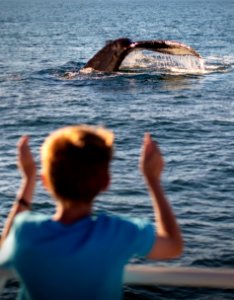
<point x="119" y="222"/>
<point x="28" y="219"/>
<point x="125" y="219"/>
<point x="128" y="235"/>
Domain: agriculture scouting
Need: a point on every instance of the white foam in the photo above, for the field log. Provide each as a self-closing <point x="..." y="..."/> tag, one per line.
<point x="87" y="71"/>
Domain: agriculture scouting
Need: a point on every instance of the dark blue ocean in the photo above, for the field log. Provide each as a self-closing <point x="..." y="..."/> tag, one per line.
<point x="191" y="114"/>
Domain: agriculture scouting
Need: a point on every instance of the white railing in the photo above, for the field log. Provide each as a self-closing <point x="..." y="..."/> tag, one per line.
<point x="180" y="276"/>
<point x="169" y="276"/>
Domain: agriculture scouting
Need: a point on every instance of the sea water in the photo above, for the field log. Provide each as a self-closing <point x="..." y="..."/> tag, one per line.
<point x="190" y="114"/>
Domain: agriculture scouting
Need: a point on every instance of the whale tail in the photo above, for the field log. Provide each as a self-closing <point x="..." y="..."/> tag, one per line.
<point x="110" y="57"/>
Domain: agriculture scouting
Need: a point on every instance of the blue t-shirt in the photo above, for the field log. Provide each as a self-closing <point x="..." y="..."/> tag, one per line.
<point x="84" y="260"/>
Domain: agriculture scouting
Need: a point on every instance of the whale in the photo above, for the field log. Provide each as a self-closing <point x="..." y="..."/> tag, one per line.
<point x="110" y="57"/>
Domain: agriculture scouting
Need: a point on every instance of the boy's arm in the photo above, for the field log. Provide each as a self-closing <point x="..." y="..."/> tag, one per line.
<point x="27" y="167"/>
<point x="169" y="242"/>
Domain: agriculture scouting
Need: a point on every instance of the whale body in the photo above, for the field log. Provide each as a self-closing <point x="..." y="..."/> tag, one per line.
<point x="110" y="57"/>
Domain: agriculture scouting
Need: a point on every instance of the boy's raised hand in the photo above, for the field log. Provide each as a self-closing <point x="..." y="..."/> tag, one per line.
<point x="27" y="167"/>
<point x="26" y="161"/>
<point x="169" y="242"/>
<point x="151" y="159"/>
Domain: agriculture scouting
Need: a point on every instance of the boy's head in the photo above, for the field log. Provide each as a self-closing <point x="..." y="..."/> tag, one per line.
<point x="75" y="162"/>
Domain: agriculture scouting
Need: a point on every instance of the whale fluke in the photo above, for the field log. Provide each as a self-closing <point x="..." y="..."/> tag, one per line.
<point x="167" y="47"/>
<point x="110" y="57"/>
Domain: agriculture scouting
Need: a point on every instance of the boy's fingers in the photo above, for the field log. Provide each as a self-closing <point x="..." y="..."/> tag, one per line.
<point x="147" y="139"/>
<point x="150" y="146"/>
<point x="23" y="141"/>
<point x="24" y="151"/>
<point x="147" y="136"/>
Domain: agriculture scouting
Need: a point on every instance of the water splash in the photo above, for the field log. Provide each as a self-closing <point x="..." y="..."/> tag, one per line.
<point x="216" y="64"/>
<point x="163" y="62"/>
<point x="145" y="62"/>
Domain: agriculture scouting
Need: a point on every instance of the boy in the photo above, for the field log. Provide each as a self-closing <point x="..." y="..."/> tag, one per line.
<point x="73" y="254"/>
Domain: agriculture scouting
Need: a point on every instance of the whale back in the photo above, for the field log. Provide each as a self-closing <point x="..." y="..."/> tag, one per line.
<point x="110" y="57"/>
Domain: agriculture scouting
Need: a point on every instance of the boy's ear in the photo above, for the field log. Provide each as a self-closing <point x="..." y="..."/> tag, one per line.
<point x="106" y="181"/>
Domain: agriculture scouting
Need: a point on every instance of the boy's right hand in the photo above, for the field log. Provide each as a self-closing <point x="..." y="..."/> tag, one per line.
<point x="26" y="161"/>
<point x="27" y="167"/>
<point x="151" y="161"/>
